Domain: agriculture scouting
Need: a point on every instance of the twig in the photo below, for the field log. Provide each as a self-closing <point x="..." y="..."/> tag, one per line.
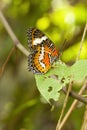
<point x="84" y="125"/>
<point x="12" y="35"/>
<point x="7" y="59"/>
<point x="64" y="105"/>
<point x="75" y="95"/>
<point x="72" y="106"/>
<point x="81" y="43"/>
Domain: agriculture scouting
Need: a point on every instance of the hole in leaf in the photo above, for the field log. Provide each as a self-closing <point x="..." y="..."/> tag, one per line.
<point x="56" y="77"/>
<point x="45" y="77"/>
<point x="52" y="101"/>
<point x="63" y="80"/>
<point x="49" y="89"/>
<point x="53" y="76"/>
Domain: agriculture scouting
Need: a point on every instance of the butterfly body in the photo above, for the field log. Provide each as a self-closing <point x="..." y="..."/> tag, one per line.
<point x="43" y="52"/>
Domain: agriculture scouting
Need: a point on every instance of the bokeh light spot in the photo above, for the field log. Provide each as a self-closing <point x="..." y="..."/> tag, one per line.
<point x="43" y="23"/>
<point x="70" y="18"/>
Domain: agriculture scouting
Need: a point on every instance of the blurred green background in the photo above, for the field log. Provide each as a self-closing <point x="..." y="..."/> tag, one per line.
<point x="21" y="105"/>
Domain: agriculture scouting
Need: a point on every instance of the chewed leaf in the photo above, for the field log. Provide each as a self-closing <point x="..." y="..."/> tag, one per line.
<point x="48" y="87"/>
<point x="59" y="76"/>
<point x="52" y="82"/>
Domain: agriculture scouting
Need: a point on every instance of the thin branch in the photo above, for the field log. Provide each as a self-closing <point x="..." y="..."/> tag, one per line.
<point x="6" y="61"/>
<point x="75" y="95"/>
<point x="72" y="106"/>
<point x="81" y="43"/>
<point x="84" y="125"/>
<point x="65" y="103"/>
<point x="12" y="35"/>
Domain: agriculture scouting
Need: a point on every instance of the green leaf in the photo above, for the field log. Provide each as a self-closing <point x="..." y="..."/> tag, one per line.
<point x="48" y="87"/>
<point x="51" y="83"/>
<point x="79" y="70"/>
<point x="55" y="79"/>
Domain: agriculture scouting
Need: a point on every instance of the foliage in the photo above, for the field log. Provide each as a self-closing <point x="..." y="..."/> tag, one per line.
<point x="20" y="104"/>
<point x="52" y="82"/>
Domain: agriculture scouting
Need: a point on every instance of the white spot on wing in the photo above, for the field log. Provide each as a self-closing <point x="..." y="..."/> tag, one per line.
<point x="39" y="40"/>
<point x="41" y="57"/>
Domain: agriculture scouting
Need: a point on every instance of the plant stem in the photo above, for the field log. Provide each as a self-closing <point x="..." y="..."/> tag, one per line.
<point x="12" y="35"/>
<point x="72" y="106"/>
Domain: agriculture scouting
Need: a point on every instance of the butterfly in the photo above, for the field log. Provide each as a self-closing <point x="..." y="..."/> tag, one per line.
<point x="43" y="52"/>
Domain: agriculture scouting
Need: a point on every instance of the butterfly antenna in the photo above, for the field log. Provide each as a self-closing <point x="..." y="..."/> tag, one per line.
<point x="63" y="46"/>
